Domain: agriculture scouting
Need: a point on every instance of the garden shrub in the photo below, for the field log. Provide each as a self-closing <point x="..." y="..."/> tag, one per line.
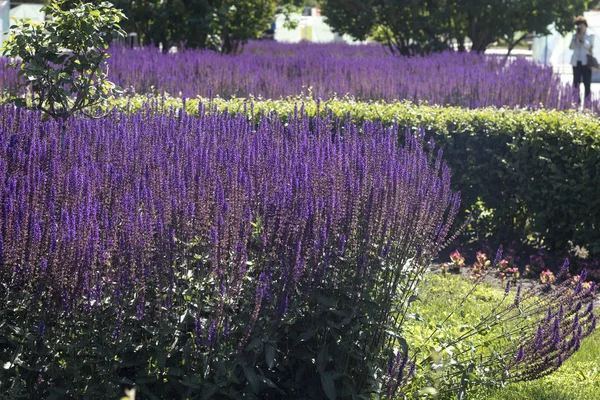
<point x="220" y="258"/>
<point x="195" y="256"/>
<point x="525" y="175"/>
<point x="61" y="60"/>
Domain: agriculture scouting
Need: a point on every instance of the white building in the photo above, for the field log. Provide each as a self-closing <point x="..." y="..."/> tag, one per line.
<point x="311" y="26"/>
<point x="19" y="11"/>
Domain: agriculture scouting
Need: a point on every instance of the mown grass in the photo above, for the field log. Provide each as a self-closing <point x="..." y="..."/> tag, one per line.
<point x="577" y="379"/>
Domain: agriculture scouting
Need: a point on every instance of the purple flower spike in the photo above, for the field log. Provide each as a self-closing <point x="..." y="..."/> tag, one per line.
<point x="212" y="333"/>
<point x="564" y="268"/>
<point x="342" y="246"/>
<point x="520" y="355"/>
<point x="41" y="329"/>
<point x="589" y="308"/>
<point x="539" y="338"/>
<point x="518" y="295"/>
<point x="498" y="257"/>
<point x="548" y="315"/>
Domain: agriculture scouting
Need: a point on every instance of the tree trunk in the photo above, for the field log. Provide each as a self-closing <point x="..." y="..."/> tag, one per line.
<point x="480" y="36"/>
<point x="461" y="44"/>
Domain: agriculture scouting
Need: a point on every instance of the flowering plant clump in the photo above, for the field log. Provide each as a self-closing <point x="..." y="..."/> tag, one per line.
<point x="547" y="277"/>
<point x="576" y="281"/>
<point x="216" y="256"/>
<point x="578" y="251"/>
<point x="268" y="69"/>
<point x="230" y="253"/>
<point x="536" y="264"/>
<point x="457" y="261"/>
<point x="507" y="270"/>
<point x="480" y="266"/>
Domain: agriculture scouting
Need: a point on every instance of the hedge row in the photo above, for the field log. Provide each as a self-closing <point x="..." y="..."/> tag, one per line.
<point x="525" y="175"/>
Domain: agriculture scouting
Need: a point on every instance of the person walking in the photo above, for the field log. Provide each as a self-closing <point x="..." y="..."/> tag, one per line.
<point x="582" y="44"/>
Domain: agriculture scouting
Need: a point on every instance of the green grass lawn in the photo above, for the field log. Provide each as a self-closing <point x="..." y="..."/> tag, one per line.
<point x="577" y="379"/>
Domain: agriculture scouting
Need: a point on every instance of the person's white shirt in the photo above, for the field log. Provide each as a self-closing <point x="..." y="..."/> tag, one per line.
<point x="581" y="50"/>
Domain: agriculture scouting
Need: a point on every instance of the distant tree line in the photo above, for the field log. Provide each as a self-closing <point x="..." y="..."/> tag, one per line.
<point x="405" y="26"/>
<point x="421" y="26"/>
<point x="222" y="25"/>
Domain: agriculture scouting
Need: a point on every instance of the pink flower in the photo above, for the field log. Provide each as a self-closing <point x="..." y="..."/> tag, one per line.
<point x="547" y="277"/>
<point x="457" y="259"/>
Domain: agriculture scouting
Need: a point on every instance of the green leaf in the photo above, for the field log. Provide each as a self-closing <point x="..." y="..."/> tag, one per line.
<point x="306" y="335"/>
<point x="252" y="378"/>
<point x="255" y="344"/>
<point x="328" y="385"/>
<point x="270" y="353"/>
<point x="326" y="301"/>
<point x="322" y="359"/>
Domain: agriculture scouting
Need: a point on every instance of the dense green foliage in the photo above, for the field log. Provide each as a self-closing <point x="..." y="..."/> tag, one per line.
<point x="525" y="175"/>
<point x="416" y="26"/>
<point x="61" y="60"/>
<point x="223" y="25"/>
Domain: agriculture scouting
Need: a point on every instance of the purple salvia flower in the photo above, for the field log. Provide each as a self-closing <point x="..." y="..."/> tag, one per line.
<point x="390" y="367"/>
<point x="227" y="330"/>
<point x="413" y="370"/>
<point x="548" y="315"/>
<point x="498" y="257"/>
<point x="592" y="325"/>
<point x="589" y="308"/>
<point x="41" y="329"/>
<point x="212" y="333"/>
<point x="518" y="295"/>
<point x="555" y="333"/>
<point x="539" y="338"/>
<point x="578" y="287"/>
<point x="559" y="361"/>
<point x="575" y="321"/>
<point x="564" y="268"/>
<point x="342" y="245"/>
<point x="140" y="309"/>
<point x="520" y="355"/>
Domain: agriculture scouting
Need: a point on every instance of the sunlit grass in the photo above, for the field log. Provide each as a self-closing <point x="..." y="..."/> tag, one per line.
<point x="577" y="379"/>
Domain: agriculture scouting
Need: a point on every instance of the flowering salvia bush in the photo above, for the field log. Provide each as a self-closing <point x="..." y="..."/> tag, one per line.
<point x="252" y="252"/>
<point x="220" y="257"/>
<point x="366" y="72"/>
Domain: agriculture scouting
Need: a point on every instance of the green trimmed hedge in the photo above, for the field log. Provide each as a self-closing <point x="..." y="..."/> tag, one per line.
<point x="525" y="175"/>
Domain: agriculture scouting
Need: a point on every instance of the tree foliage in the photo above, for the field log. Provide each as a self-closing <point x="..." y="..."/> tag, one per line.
<point x="420" y="26"/>
<point x="61" y="59"/>
<point x="223" y="25"/>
